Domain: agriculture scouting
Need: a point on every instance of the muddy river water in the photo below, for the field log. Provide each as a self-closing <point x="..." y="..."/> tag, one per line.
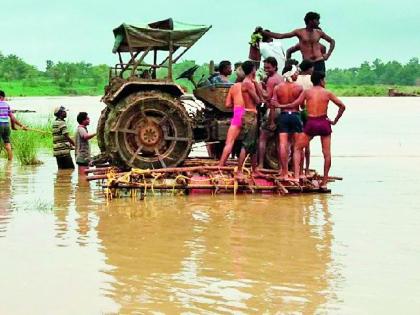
<point x="65" y="250"/>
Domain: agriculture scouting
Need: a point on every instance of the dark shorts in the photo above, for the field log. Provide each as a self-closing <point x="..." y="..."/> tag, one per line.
<point x="317" y="126"/>
<point x="319" y="66"/>
<point x="64" y="162"/>
<point x="5" y="133"/>
<point x="289" y="122"/>
<point x="250" y="132"/>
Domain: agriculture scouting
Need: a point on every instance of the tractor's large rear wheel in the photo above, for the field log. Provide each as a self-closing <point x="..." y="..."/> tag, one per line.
<point x="148" y="130"/>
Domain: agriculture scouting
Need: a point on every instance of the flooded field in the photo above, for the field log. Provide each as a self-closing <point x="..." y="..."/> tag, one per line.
<point x="66" y="250"/>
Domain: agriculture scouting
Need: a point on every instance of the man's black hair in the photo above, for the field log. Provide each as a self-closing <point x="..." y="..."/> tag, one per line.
<point x="223" y="64"/>
<point x="81" y="117"/>
<point x="2" y="94"/>
<point x="266" y="38"/>
<point x="272" y="61"/>
<point x="286" y="68"/>
<point x="310" y="16"/>
<point x="248" y="66"/>
<point x="317" y="77"/>
<point x="306" y="65"/>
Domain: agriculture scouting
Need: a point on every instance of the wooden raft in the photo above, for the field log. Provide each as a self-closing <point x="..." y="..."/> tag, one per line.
<point x="200" y="176"/>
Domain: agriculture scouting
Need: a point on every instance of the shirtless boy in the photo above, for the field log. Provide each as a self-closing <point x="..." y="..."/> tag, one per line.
<point x="252" y="96"/>
<point x="234" y="99"/>
<point x="288" y="122"/>
<point x="309" y="38"/>
<point x="318" y="124"/>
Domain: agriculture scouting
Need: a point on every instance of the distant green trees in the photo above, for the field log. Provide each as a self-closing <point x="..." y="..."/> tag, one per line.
<point x="63" y="74"/>
<point x="82" y="78"/>
<point x="377" y="72"/>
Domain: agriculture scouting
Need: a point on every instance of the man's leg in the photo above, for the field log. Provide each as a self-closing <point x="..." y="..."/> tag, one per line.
<point x="5" y="136"/>
<point x="232" y="134"/>
<point x="241" y="159"/>
<point x="301" y="142"/>
<point x="307" y="158"/>
<point x="9" y="151"/>
<point x="261" y="147"/>
<point x="284" y="154"/>
<point x="326" y="151"/>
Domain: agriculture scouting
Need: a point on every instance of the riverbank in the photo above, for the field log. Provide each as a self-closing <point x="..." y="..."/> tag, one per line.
<point x="82" y="88"/>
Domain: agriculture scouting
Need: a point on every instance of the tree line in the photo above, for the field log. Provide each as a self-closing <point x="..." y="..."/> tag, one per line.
<point x="69" y="74"/>
<point x="378" y="72"/>
<point x="63" y="74"/>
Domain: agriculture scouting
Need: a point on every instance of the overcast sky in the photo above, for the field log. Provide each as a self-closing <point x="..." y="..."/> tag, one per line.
<point x="81" y="30"/>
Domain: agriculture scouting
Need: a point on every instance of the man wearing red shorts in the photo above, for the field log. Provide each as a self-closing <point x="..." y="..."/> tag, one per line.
<point x="318" y="123"/>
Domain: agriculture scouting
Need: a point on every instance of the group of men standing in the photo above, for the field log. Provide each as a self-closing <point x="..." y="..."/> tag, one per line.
<point x="296" y="101"/>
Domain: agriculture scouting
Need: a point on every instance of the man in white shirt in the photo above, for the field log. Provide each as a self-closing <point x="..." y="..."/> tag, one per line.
<point x="271" y="48"/>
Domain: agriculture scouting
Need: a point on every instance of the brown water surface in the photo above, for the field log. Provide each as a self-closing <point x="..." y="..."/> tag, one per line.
<point x="66" y="250"/>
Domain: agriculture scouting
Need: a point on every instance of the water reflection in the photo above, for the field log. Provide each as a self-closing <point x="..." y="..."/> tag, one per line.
<point x="5" y="196"/>
<point x="207" y="254"/>
<point x="63" y="197"/>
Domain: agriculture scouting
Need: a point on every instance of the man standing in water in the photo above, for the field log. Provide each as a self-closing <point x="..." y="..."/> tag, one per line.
<point x="5" y="114"/>
<point x="252" y="96"/>
<point x="288" y="122"/>
<point x="62" y="143"/>
<point x="82" y="147"/>
<point x="318" y="123"/>
<point x="309" y="38"/>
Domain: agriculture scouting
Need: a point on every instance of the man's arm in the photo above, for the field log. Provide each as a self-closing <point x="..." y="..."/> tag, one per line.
<point x="84" y="134"/>
<point x="341" y="107"/>
<point x="248" y="87"/>
<point x="65" y="133"/>
<point x="229" y="99"/>
<point x="14" y="122"/>
<point x="69" y="139"/>
<point x="279" y="35"/>
<point x="292" y="50"/>
<point x="299" y="101"/>
<point x="332" y="45"/>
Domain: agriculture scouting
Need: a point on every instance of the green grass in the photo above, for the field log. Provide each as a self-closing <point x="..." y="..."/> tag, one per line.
<point x="44" y="87"/>
<point x="25" y="147"/>
<point x="27" y="144"/>
<point x="369" y="90"/>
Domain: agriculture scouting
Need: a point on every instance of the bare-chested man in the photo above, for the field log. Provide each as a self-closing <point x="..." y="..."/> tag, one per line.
<point x="273" y="79"/>
<point x="252" y="96"/>
<point x="309" y="41"/>
<point x="235" y="100"/>
<point x="288" y="122"/>
<point x="318" y="123"/>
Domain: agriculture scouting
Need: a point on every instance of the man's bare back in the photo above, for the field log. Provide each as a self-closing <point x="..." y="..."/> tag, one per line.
<point x="234" y="97"/>
<point x="287" y="92"/>
<point x="248" y="88"/>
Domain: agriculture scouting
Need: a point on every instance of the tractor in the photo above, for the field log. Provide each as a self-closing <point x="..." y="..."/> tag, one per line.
<point x="149" y="121"/>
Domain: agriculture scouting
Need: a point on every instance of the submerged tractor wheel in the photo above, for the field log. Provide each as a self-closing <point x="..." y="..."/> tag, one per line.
<point x="148" y="130"/>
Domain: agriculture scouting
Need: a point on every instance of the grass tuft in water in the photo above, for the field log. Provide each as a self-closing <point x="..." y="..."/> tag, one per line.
<point x="25" y="147"/>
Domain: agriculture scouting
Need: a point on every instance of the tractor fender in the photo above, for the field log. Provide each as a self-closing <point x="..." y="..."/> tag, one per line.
<point x="135" y="86"/>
